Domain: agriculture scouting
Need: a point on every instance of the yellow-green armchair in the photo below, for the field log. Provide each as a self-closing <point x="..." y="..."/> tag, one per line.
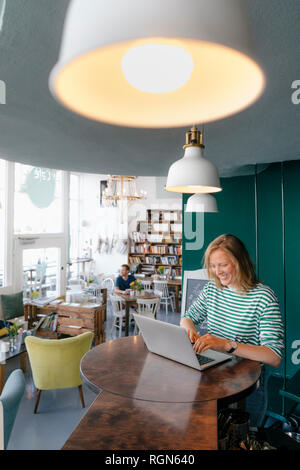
<point x="56" y="363"/>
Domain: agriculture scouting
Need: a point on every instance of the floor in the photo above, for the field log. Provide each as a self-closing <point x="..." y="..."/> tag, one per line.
<point x="59" y="410"/>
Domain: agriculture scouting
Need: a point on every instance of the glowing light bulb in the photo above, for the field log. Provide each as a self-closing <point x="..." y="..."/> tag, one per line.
<point x="157" y="68"/>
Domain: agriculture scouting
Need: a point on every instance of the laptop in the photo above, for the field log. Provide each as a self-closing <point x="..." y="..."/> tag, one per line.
<point x="172" y="342"/>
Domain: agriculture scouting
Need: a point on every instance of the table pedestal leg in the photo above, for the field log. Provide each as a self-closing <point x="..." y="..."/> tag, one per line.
<point x="127" y="319"/>
<point x="177" y="298"/>
<point x="23" y="361"/>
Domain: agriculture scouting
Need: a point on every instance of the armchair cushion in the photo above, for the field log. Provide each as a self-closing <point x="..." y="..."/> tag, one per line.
<point x="12" y="305"/>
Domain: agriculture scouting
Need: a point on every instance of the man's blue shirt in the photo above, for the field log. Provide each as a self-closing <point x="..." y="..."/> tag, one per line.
<point x="122" y="284"/>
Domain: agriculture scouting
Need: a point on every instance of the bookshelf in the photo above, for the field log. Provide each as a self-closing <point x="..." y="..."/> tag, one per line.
<point x="157" y="242"/>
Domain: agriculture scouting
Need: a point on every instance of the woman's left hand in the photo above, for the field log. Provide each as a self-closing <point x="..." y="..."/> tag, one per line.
<point x="210" y="342"/>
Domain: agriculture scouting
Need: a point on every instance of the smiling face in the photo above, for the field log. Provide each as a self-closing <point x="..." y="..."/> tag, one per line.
<point x="223" y="268"/>
<point x="124" y="272"/>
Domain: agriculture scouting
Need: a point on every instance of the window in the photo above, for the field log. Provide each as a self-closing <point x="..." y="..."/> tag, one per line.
<point x="2" y="220"/>
<point x="74" y="219"/>
<point x="38" y="200"/>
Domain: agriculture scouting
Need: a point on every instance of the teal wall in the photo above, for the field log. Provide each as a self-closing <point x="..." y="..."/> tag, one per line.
<point x="236" y="204"/>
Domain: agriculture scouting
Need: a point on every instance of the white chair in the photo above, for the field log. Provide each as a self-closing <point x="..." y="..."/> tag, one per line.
<point x="108" y="284"/>
<point x="166" y="298"/>
<point x="147" y="308"/>
<point x="119" y="312"/>
<point x="97" y="293"/>
<point x="38" y="284"/>
<point x="147" y="285"/>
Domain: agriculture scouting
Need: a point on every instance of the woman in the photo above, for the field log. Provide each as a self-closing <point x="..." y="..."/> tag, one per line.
<point x="243" y="315"/>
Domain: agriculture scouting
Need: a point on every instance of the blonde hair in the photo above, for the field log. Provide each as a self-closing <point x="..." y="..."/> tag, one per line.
<point x="235" y="249"/>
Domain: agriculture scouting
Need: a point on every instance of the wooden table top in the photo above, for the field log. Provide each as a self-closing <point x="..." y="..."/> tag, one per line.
<point x="125" y="367"/>
<point x="170" y="282"/>
<point x="149" y="402"/>
<point x="133" y="298"/>
<point x="117" y="423"/>
<point x="174" y="282"/>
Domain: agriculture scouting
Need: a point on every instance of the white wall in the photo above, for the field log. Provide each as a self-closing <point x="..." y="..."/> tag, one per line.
<point x="100" y="223"/>
<point x="106" y="222"/>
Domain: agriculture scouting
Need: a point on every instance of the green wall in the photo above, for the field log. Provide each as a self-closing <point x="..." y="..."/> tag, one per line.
<point x="236" y="215"/>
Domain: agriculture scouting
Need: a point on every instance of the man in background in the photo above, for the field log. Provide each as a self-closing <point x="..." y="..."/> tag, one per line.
<point x="124" y="280"/>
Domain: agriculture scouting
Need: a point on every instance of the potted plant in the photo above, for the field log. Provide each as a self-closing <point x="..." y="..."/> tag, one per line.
<point x="34" y="295"/>
<point x="137" y="285"/>
<point x="13" y="330"/>
<point x="90" y="280"/>
<point x="161" y="270"/>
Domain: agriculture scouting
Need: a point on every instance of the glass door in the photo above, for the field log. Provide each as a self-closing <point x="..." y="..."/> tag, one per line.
<point x="40" y="265"/>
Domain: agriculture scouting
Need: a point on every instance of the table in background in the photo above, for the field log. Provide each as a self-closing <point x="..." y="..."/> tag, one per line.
<point x="130" y="301"/>
<point x="149" y="402"/>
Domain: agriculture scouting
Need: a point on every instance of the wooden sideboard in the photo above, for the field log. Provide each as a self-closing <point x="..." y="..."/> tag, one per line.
<point x="83" y="318"/>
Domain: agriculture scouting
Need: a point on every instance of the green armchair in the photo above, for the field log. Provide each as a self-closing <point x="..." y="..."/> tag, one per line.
<point x="55" y="363"/>
<point x="10" y="399"/>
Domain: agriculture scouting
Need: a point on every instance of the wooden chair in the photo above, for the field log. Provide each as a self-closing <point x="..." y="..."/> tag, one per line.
<point x="166" y="298"/>
<point x="147" y="308"/>
<point x="147" y="285"/>
<point x="118" y="310"/>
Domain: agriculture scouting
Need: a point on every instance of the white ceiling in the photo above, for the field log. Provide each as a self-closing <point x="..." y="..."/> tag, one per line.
<point x="35" y="129"/>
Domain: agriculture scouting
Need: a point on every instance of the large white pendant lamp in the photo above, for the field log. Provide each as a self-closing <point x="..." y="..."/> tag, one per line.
<point x="157" y="63"/>
<point x="201" y="203"/>
<point x="193" y="173"/>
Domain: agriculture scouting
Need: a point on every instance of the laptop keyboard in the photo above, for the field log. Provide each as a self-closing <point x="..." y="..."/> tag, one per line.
<point x="203" y="359"/>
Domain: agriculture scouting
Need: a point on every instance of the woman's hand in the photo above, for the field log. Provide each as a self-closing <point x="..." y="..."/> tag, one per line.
<point x="193" y="335"/>
<point x="190" y="328"/>
<point x="210" y="342"/>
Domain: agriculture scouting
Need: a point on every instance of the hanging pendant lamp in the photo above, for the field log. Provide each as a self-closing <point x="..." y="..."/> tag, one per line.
<point x="201" y="203"/>
<point x="193" y="173"/>
<point x="156" y="64"/>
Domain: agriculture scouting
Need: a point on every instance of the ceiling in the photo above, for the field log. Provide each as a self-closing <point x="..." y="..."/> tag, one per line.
<point x="37" y="130"/>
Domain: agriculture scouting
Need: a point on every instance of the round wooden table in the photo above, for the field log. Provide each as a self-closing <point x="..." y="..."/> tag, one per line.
<point x="149" y="402"/>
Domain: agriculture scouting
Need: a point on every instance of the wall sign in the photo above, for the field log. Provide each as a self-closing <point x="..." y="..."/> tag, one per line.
<point x="40" y="186"/>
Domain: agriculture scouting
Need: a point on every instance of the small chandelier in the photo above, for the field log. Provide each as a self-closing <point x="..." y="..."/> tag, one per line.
<point x="122" y="188"/>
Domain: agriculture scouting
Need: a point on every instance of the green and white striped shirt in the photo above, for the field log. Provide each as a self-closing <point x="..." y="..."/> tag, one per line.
<point x="253" y="318"/>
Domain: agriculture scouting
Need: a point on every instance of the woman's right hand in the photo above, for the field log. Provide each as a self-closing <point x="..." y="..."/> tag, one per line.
<point x="193" y="335"/>
<point x="189" y="327"/>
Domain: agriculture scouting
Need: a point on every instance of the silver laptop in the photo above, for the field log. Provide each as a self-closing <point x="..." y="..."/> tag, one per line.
<point x="172" y="341"/>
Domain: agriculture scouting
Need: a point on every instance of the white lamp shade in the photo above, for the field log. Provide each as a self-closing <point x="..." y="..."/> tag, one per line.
<point x="210" y="36"/>
<point x="193" y="174"/>
<point x="201" y="203"/>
